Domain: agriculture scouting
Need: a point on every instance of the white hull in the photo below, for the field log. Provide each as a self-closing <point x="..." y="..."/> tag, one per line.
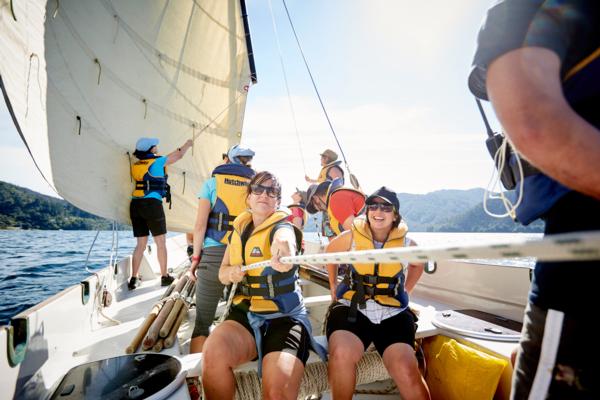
<point x="63" y="332"/>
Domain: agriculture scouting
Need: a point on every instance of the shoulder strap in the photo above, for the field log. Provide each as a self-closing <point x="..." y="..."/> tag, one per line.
<point x="244" y="239"/>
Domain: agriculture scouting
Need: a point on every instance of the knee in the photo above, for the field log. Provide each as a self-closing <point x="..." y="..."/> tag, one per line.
<point x="344" y="355"/>
<point x="216" y="353"/>
<point x="273" y="392"/>
<point x="409" y="370"/>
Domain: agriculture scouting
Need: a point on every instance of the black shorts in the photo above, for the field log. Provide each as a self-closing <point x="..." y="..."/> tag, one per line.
<point x="400" y="328"/>
<point x="280" y="334"/>
<point x="147" y="215"/>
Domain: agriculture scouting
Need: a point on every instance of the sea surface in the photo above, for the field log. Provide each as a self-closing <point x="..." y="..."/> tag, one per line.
<point x="35" y="265"/>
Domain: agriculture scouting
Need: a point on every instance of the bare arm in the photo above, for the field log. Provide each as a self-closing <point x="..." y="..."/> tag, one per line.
<point x="347" y="224"/>
<point x="340" y="243"/>
<point x="309" y="179"/>
<point x="176" y="155"/>
<point x="336" y="172"/>
<point x="298" y="221"/>
<point x="284" y="244"/>
<point x="229" y="273"/>
<point x="199" y="232"/>
<point x="413" y="273"/>
<point x="524" y="87"/>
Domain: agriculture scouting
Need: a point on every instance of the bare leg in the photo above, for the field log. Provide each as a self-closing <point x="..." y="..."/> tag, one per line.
<point x="345" y="350"/>
<point x="402" y="365"/>
<point x="197" y="343"/>
<point x="189" y="237"/>
<point x="228" y="346"/>
<point x="161" y="250"/>
<point x="282" y="373"/>
<point x="138" y="253"/>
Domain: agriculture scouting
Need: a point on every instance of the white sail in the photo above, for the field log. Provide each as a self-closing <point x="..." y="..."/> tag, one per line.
<point x="84" y="79"/>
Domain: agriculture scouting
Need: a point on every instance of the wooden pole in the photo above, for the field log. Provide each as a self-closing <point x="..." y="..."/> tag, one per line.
<point x="170" y="339"/>
<point x="135" y="343"/>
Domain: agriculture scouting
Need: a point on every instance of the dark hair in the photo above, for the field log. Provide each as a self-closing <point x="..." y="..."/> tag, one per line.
<point x="396" y="214"/>
<point x="143" y="155"/>
<point x="261" y="177"/>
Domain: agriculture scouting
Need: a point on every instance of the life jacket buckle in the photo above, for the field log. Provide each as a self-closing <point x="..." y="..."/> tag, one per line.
<point x="270" y="286"/>
<point x="220" y="223"/>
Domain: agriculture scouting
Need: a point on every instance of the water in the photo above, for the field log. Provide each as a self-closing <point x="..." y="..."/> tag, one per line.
<point x="35" y="265"/>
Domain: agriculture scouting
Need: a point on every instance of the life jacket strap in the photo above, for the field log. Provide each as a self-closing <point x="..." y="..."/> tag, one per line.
<point x="271" y="281"/>
<point x="263" y="279"/>
<point x="149" y="186"/>
<point x="223" y="221"/>
<point x="270" y="291"/>
<point x="365" y="287"/>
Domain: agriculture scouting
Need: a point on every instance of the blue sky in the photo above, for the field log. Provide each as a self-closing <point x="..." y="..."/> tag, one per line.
<point x="392" y="74"/>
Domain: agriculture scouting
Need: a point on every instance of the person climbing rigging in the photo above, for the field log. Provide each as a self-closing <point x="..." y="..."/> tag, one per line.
<point x="330" y="168"/>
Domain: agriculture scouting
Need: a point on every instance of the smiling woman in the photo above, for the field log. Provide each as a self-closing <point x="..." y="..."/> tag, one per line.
<point x="270" y="294"/>
<point x="381" y="291"/>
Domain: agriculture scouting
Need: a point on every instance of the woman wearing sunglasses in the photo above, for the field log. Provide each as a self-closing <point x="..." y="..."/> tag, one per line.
<point x="371" y="304"/>
<point x="268" y="319"/>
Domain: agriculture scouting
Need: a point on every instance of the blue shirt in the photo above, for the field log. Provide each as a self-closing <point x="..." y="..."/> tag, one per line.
<point x="208" y="191"/>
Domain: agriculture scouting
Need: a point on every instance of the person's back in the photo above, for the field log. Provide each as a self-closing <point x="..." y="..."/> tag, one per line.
<point x="220" y="200"/>
<point x="537" y="61"/>
<point x="146" y="211"/>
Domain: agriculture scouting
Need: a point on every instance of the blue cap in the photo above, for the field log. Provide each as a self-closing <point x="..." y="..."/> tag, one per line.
<point x="386" y="194"/>
<point x="145" y="144"/>
<point x="238" y="151"/>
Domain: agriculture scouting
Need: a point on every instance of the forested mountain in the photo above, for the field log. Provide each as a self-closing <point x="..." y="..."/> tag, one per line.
<point x="439" y="211"/>
<point x="25" y="209"/>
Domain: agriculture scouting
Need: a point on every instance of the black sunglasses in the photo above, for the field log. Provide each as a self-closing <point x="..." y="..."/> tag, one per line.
<point x="272" y="191"/>
<point x="381" y="206"/>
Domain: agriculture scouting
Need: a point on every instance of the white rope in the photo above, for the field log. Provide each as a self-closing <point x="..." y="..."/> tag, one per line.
<point x="577" y="246"/>
<point x="287" y="87"/>
<point x="499" y="164"/>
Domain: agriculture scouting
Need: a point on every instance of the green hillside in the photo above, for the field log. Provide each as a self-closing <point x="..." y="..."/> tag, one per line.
<point x="22" y="208"/>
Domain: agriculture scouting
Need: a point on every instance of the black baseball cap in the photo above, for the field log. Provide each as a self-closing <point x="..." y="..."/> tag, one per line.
<point x="386" y="194"/>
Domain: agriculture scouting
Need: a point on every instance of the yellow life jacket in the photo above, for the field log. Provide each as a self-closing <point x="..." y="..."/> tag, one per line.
<point x="335" y="225"/>
<point x="267" y="290"/>
<point x="231" y="182"/>
<point x="324" y="174"/>
<point x="383" y="283"/>
<point x="145" y="182"/>
<point x="304" y="214"/>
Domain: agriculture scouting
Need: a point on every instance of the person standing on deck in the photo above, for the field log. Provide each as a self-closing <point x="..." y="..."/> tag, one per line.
<point x="340" y="204"/>
<point x="298" y="209"/>
<point x="371" y="304"/>
<point x="538" y="62"/>
<point x="330" y="168"/>
<point x="146" y="209"/>
<point x="268" y="319"/>
<point x="220" y="200"/>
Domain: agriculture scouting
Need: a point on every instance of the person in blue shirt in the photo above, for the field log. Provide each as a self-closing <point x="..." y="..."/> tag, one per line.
<point x="220" y="199"/>
<point x="538" y="62"/>
<point x="146" y="209"/>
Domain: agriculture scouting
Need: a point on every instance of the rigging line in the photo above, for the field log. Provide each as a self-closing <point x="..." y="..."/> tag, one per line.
<point x="313" y="83"/>
<point x="287" y="88"/>
<point x="118" y="81"/>
<point x="31" y="57"/>
<point x="577" y="246"/>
